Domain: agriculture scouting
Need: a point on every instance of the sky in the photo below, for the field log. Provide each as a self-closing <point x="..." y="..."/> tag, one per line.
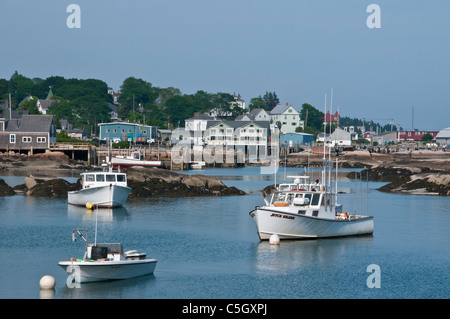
<point x="301" y="50"/>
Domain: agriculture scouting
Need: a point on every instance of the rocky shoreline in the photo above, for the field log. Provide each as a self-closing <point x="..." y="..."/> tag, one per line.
<point x="144" y="182"/>
<point x="417" y="172"/>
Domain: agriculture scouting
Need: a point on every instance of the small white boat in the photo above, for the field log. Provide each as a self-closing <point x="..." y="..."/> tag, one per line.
<point x="197" y="164"/>
<point x="103" y="262"/>
<point x="101" y="189"/>
<point x="135" y="159"/>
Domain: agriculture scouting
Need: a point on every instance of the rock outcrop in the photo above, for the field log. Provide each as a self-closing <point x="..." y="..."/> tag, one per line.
<point x="5" y="189"/>
<point x="160" y="182"/>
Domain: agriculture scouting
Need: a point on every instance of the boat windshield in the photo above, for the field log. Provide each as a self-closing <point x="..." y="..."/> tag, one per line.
<point x="90" y="178"/>
<point x="100" y="177"/>
<point x="110" y="177"/>
<point x="121" y="177"/>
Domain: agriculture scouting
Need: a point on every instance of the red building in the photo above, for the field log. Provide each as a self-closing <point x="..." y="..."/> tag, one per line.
<point x="332" y="118"/>
<point x="414" y="135"/>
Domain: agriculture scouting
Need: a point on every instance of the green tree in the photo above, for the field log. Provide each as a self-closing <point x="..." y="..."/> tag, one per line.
<point x="271" y="100"/>
<point x="427" y="137"/>
<point x="257" y="103"/>
<point x="30" y="106"/>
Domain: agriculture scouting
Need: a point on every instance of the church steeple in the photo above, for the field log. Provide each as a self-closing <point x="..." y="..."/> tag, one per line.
<point x="50" y="93"/>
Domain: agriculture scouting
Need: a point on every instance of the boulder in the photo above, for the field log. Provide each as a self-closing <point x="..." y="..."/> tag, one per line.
<point x="5" y="189"/>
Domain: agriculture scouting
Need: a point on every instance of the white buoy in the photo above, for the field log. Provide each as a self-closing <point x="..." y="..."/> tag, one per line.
<point x="274" y="239"/>
<point x="47" y="282"/>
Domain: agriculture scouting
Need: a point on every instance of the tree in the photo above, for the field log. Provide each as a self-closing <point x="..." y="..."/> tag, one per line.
<point x="427" y="137"/>
<point x="257" y="103"/>
<point x="30" y="105"/>
<point x="271" y="100"/>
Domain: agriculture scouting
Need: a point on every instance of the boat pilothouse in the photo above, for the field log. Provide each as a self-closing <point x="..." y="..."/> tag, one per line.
<point x="99" y="179"/>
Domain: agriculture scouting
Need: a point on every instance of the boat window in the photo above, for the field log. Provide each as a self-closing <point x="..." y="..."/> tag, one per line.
<point x="281" y="197"/>
<point x="90" y="178"/>
<point x="290" y="197"/>
<point x="100" y="177"/>
<point x="121" y="178"/>
<point x="110" y="177"/>
<point x="315" y="199"/>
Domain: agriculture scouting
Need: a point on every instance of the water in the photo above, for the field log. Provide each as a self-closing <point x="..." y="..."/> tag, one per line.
<point x="207" y="247"/>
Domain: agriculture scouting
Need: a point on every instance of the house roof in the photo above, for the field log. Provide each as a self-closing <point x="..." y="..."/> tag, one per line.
<point x="444" y="133"/>
<point x="280" y="109"/>
<point x="238" y="124"/>
<point x="45" y="104"/>
<point x="201" y="117"/>
<point x="30" y="123"/>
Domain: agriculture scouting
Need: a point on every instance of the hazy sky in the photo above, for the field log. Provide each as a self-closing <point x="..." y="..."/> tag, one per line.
<point x="299" y="49"/>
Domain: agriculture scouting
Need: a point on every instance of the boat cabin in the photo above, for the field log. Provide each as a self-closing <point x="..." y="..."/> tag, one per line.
<point x="99" y="179"/>
<point x="309" y="203"/>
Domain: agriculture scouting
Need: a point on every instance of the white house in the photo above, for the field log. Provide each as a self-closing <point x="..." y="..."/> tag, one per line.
<point x="242" y="133"/>
<point x="254" y="115"/>
<point x="443" y="137"/>
<point x="288" y="116"/>
<point x="238" y="101"/>
<point x="43" y="105"/>
<point x="340" y="137"/>
<point x="197" y="126"/>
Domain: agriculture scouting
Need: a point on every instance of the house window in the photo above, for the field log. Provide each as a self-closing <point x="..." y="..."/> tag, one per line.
<point x="12" y="138"/>
<point x="129" y="130"/>
<point x="26" y="139"/>
<point x="114" y="131"/>
<point x="107" y="130"/>
<point x="41" y="139"/>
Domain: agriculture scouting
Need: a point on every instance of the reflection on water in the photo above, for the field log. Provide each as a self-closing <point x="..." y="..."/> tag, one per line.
<point x="119" y="288"/>
<point x="306" y="254"/>
<point x="103" y="214"/>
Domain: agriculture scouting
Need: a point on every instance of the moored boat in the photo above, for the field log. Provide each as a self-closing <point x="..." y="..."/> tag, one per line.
<point x="103" y="262"/>
<point x="135" y="159"/>
<point x="101" y="189"/>
<point x="302" y="210"/>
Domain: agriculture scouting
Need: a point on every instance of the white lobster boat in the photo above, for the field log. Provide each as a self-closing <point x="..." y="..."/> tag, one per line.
<point x="101" y="189"/>
<point x="306" y="211"/>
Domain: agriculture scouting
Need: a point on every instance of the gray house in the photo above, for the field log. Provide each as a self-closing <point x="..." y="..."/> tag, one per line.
<point x="29" y="133"/>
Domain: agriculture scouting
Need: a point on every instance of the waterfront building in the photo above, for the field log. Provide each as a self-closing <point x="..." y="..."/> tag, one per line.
<point x="28" y="133"/>
<point x="415" y="136"/>
<point x="296" y="139"/>
<point x="125" y="131"/>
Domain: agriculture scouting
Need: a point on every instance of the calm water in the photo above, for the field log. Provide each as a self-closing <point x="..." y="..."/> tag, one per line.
<point x="208" y="247"/>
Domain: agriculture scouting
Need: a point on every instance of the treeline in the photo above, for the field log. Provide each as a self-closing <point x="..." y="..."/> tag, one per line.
<point x="87" y="102"/>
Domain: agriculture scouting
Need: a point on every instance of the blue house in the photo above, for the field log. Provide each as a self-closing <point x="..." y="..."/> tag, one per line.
<point x="296" y="139"/>
<point x="124" y="131"/>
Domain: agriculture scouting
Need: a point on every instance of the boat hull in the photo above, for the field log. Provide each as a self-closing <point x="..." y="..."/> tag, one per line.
<point x="104" y="196"/>
<point x="92" y="271"/>
<point x="125" y="162"/>
<point x="295" y="226"/>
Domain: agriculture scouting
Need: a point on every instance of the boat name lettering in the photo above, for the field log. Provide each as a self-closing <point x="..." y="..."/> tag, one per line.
<point x="282" y="216"/>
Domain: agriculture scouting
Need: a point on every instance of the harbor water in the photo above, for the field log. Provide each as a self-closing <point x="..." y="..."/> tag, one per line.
<point x="207" y="247"/>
